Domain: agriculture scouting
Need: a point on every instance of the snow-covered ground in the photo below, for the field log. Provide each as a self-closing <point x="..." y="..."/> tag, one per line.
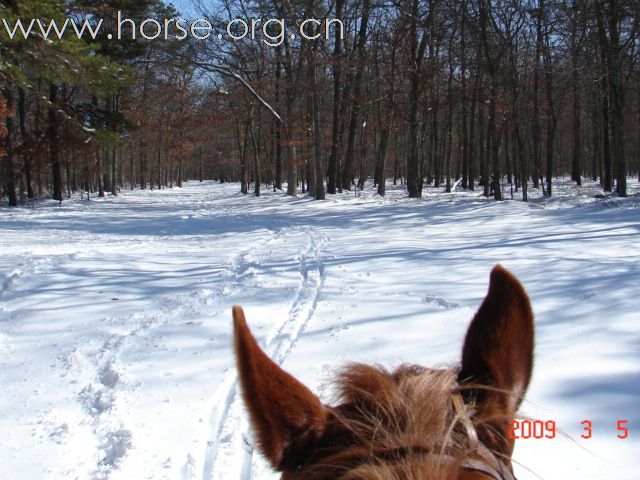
<point x="115" y="322"/>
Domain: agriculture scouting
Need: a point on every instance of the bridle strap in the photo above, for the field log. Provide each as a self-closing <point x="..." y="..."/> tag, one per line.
<point x="476" y="465"/>
<point x="488" y="463"/>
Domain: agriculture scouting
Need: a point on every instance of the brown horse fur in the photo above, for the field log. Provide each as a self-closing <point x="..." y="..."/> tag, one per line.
<point x="410" y="424"/>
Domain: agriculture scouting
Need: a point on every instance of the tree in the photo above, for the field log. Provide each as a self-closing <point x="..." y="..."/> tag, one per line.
<point x="609" y="15"/>
<point x="6" y="131"/>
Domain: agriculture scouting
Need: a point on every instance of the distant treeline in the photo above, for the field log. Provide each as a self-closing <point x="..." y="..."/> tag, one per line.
<point x="478" y="94"/>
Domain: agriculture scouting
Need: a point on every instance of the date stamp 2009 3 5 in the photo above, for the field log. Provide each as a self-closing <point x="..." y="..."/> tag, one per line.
<point x="541" y="429"/>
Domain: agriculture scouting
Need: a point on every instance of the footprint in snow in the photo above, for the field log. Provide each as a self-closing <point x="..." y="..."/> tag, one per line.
<point x="435" y="300"/>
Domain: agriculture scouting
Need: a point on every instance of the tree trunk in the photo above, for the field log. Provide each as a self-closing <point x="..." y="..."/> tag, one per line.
<point x="277" y="184"/>
<point x="99" y="174"/>
<point x="347" y="171"/>
<point x="115" y="183"/>
<point x="484" y="168"/>
<point x="335" y="125"/>
<point x="617" y="98"/>
<point x="535" y="123"/>
<point x="9" y="153"/>
<point x="317" y="142"/>
<point x="607" y="178"/>
<point x="292" y="168"/>
<point x="382" y="160"/>
<point x="606" y="99"/>
<point x="114" y="171"/>
<point x="577" y="154"/>
<point x="492" y="67"/>
<point x="363" y="153"/>
<point x="54" y="148"/>
<point x="243" y="139"/>
<point x="551" y="113"/>
<point x="473" y="146"/>
<point x="414" y="173"/>
<point x="256" y="156"/>
<point x="464" y="114"/>
<point x="449" y="122"/>
<point x="26" y="158"/>
<point x="292" y="171"/>
<point x="523" y="165"/>
<point x="576" y="163"/>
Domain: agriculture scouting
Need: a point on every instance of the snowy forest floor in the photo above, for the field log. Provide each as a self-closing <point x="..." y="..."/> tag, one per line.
<point x="115" y="322"/>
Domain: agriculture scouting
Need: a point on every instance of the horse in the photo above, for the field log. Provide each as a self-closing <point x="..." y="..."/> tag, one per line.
<point x="412" y="423"/>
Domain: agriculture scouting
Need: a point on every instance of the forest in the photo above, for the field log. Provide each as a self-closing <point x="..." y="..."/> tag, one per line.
<point x="490" y="95"/>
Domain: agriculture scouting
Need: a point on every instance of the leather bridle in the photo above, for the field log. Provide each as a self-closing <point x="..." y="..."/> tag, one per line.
<point x="485" y="460"/>
<point x="489" y="465"/>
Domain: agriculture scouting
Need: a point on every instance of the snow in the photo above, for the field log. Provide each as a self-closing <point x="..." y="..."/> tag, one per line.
<point x="115" y="318"/>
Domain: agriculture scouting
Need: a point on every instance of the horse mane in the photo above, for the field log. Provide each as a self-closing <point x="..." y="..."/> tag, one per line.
<point x="396" y="434"/>
<point x="391" y="407"/>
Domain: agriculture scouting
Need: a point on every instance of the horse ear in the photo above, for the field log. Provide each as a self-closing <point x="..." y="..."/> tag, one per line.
<point x="286" y="416"/>
<point x="497" y="357"/>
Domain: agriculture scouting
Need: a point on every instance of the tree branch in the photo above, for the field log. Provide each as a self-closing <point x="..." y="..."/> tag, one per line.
<point x="227" y="72"/>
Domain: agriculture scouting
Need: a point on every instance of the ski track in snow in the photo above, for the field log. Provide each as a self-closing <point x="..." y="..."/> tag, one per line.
<point x="242" y="266"/>
<point x="230" y="447"/>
